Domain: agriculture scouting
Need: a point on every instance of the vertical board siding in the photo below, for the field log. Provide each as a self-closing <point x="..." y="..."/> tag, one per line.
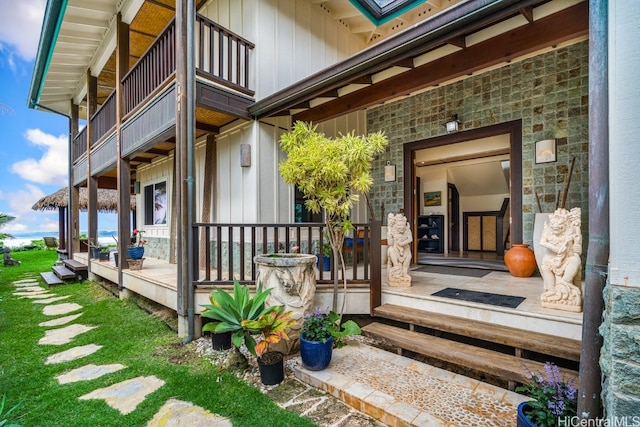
<point x="293" y="38"/>
<point x="104" y="156"/>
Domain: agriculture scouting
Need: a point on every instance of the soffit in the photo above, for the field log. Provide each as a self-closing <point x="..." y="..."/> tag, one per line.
<point x="448" y="52"/>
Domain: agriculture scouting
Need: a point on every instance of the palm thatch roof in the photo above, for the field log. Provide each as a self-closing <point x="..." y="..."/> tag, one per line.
<point x="107" y="200"/>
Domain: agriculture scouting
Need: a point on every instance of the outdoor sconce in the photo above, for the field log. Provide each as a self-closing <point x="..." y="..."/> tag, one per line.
<point x="245" y="155"/>
<point x="452" y="125"/>
<point x="546" y="151"/>
<point x="389" y="172"/>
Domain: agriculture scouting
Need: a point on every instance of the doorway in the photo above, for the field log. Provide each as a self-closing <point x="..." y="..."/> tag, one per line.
<point x="463" y="158"/>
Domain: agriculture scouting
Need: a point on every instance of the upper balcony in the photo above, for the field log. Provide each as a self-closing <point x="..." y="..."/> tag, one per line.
<point x="223" y="68"/>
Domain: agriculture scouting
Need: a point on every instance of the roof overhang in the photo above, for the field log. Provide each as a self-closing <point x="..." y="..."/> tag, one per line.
<point x="449" y="32"/>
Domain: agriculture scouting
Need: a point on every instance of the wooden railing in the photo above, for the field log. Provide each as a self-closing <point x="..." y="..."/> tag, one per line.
<point x="223" y="55"/>
<point x="79" y="145"/>
<point x="151" y="70"/>
<point x="104" y="119"/>
<point x="224" y="252"/>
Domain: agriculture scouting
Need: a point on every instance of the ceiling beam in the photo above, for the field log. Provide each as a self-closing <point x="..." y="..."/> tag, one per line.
<point x="565" y="25"/>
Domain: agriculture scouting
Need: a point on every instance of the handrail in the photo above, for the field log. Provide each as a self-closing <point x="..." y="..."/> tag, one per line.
<point x="224" y="252"/>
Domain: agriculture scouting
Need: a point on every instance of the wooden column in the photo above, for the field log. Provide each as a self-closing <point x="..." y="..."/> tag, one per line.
<point x="181" y="152"/>
<point x="73" y="213"/>
<point x="207" y="195"/>
<point x="124" y="165"/>
<point x="92" y="183"/>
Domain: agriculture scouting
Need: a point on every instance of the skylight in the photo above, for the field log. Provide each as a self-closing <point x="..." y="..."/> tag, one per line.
<point x="381" y="11"/>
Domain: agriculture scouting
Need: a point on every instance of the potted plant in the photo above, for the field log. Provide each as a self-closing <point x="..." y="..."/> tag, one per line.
<point x="324" y="255"/>
<point x="229" y="311"/>
<point x="272" y="327"/>
<point x="321" y="331"/>
<point x="331" y="173"/>
<point x="136" y="248"/>
<point x="555" y="399"/>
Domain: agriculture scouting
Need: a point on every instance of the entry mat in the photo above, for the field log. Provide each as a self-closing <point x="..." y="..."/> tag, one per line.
<point x="454" y="271"/>
<point x="480" y="297"/>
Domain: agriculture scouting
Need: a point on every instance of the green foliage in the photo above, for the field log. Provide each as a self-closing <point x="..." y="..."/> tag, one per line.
<point x="4" y="219"/>
<point x="273" y="326"/>
<point x="554" y="398"/>
<point x="320" y="325"/>
<point x="3" y="420"/>
<point x="331" y="173"/>
<point x="228" y="312"/>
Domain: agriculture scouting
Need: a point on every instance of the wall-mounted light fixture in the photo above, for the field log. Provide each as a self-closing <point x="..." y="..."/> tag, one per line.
<point x="389" y="172"/>
<point x="136" y="187"/>
<point x="245" y="155"/>
<point x="453" y="124"/>
<point x="546" y="151"/>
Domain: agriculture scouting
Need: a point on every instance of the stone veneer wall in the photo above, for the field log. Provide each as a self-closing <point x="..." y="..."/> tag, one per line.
<point x="620" y="355"/>
<point x="549" y="93"/>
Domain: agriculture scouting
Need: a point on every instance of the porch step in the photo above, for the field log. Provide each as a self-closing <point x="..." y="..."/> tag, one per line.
<point x="50" y="278"/>
<point x="513" y="337"/>
<point x="63" y="272"/>
<point x="507" y="367"/>
<point x="74" y="265"/>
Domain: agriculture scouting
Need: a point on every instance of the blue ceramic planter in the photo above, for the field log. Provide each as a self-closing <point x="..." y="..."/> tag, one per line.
<point x="523" y="421"/>
<point x="136" y="253"/>
<point x="316" y="355"/>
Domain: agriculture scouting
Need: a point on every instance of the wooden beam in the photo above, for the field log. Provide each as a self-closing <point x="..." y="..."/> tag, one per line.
<point x="527" y="12"/>
<point x="562" y="26"/>
<point x="207" y="127"/>
<point x="460" y="41"/>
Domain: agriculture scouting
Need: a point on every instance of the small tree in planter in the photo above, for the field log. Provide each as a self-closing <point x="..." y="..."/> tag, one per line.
<point x="331" y="173"/>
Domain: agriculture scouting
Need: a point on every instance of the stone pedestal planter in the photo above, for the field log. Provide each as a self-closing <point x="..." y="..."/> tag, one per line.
<point x="292" y="279"/>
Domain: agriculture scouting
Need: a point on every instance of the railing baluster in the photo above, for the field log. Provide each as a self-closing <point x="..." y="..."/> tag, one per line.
<point x="231" y="251"/>
<point x="207" y="253"/>
<point x="219" y="252"/>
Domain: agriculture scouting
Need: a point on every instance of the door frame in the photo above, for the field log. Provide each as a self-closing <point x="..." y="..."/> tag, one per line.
<point x="512" y="128"/>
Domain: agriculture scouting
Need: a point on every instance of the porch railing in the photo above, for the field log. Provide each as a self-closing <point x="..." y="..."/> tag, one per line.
<point x="223" y="55"/>
<point x="79" y="147"/>
<point x="224" y="252"/>
<point x="104" y="119"/>
<point x="151" y="70"/>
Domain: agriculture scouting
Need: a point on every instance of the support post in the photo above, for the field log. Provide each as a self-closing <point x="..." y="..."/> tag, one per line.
<point x="589" y="400"/>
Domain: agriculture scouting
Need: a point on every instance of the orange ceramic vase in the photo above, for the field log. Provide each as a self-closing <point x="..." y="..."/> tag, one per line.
<point x="520" y="260"/>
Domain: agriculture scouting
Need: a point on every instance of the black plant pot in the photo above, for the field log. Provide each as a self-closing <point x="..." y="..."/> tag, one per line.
<point x="271" y="365"/>
<point x="221" y="341"/>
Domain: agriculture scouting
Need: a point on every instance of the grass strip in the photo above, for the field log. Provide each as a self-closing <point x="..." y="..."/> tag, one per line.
<point x="129" y="336"/>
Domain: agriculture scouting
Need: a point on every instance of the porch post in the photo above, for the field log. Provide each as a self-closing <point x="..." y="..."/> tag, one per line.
<point x="74" y="200"/>
<point x="92" y="184"/>
<point x="598" y="248"/>
<point x="124" y="166"/>
<point x="185" y="124"/>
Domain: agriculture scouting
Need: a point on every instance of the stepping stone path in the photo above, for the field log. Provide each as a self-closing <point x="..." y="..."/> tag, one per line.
<point x="124" y="396"/>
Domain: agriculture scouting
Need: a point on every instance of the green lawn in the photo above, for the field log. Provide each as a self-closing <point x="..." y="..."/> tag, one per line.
<point x="129" y="336"/>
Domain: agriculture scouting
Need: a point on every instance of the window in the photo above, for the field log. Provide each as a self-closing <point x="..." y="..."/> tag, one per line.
<point x="302" y="214"/>
<point x="381" y="11"/>
<point x="155" y="203"/>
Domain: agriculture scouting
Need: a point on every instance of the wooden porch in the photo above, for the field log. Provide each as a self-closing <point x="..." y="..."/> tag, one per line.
<point x="157" y="281"/>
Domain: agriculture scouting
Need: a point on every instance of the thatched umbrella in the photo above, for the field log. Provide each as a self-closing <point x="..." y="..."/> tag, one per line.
<point x="107" y="202"/>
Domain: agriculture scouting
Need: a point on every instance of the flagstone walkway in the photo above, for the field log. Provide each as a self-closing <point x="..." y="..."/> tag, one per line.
<point x="124" y="396"/>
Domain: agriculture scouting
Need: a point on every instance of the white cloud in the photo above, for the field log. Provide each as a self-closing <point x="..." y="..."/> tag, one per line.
<point x="51" y="168"/>
<point x="20" y="203"/>
<point x="20" y="25"/>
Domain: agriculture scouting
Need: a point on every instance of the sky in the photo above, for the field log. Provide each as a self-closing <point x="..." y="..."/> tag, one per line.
<point x="33" y="144"/>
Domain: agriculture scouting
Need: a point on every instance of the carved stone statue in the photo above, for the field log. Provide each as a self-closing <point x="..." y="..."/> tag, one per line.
<point x="8" y="259"/>
<point x="561" y="264"/>
<point x="399" y="240"/>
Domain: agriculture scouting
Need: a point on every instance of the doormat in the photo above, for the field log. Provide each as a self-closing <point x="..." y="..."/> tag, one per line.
<point x="454" y="271"/>
<point x="480" y="297"/>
